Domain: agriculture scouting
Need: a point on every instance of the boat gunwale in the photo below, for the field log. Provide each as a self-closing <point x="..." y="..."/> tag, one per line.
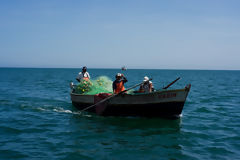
<point x="158" y="91"/>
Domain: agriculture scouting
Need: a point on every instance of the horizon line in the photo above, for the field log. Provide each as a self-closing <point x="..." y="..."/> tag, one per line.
<point x="120" y="68"/>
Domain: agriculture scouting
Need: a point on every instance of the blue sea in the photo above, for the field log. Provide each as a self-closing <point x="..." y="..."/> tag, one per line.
<point x="38" y="121"/>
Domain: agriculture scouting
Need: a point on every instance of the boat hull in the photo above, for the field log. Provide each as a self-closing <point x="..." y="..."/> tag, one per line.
<point x="166" y="103"/>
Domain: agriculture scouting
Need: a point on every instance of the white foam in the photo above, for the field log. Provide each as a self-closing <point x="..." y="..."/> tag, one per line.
<point x="61" y="110"/>
<point x="41" y="109"/>
<point x="88" y="115"/>
<point x="68" y="111"/>
<point x="77" y="113"/>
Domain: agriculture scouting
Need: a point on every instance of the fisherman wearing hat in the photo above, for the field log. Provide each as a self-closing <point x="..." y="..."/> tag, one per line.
<point x="118" y="84"/>
<point x="147" y="86"/>
<point x="83" y="75"/>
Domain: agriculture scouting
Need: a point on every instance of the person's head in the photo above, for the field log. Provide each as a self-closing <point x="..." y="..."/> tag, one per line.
<point x="145" y="79"/>
<point x="84" y="69"/>
<point x="118" y="76"/>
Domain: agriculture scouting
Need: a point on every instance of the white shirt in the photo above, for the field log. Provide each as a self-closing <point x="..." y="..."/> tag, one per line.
<point x="146" y="86"/>
<point x="81" y="75"/>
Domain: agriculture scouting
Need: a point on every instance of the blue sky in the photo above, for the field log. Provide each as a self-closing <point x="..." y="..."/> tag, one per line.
<point x="162" y="34"/>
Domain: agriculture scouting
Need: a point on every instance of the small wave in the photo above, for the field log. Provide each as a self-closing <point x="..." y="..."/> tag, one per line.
<point x="9" y="130"/>
<point x="203" y="110"/>
<point x="12" y="154"/>
<point x="86" y="115"/>
<point x="41" y="109"/>
<point x="62" y="110"/>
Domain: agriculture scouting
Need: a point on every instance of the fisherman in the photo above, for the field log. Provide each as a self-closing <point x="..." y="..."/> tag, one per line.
<point x="118" y="84"/>
<point x="147" y="86"/>
<point x="83" y="75"/>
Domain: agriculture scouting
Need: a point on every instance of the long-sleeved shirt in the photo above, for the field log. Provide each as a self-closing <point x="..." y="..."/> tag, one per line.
<point x="118" y="81"/>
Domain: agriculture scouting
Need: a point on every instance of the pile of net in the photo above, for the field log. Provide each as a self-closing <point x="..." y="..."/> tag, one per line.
<point x="101" y="85"/>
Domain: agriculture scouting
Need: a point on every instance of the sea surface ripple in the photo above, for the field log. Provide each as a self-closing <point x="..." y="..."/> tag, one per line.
<point x="38" y="121"/>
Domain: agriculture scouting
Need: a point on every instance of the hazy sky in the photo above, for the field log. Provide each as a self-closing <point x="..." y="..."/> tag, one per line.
<point x="164" y="34"/>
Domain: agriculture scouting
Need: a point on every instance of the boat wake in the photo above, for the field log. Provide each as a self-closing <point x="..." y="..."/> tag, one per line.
<point x="62" y="110"/>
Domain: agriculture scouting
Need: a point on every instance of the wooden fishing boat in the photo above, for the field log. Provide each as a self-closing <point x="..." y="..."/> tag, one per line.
<point x="162" y="103"/>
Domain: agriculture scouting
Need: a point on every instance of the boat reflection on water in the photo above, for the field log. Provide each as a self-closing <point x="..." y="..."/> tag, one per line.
<point x="130" y="123"/>
<point x="142" y="123"/>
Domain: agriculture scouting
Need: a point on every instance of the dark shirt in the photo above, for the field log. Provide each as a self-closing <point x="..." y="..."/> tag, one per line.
<point x="118" y="81"/>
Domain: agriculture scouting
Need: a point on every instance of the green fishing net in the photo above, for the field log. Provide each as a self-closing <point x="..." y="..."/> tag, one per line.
<point x="90" y="87"/>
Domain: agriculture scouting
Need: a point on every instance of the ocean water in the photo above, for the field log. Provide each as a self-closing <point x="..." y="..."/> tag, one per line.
<point x="38" y="121"/>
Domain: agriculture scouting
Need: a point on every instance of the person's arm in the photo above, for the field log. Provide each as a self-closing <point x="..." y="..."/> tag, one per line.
<point x="150" y="87"/>
<point x="114" y="86"/>
<point x="124" y="79"/>
<point x="88" y="75"/>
